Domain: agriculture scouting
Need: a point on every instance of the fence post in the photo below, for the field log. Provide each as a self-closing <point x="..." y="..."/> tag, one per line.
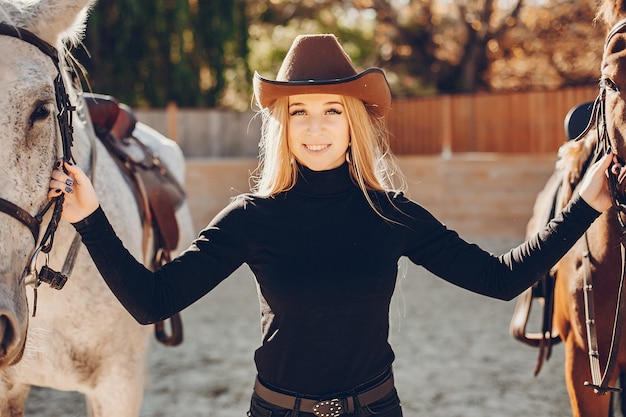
<point x="172" y="121"/>
<point x="446" y="126"/>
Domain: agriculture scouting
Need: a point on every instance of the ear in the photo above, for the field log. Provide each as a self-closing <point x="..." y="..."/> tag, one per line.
<point x="54" y="21"/>
<point x="609" y="12"/>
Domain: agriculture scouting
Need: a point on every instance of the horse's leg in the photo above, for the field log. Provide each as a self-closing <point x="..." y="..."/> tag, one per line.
<point x="618" y="406"/>
<point x="622" y="394"/>
<point x="12" y="397"/>
<point x="119" y="392"/>
<point x="584" y="401"/>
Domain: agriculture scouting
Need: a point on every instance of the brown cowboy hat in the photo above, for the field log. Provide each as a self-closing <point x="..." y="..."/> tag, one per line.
<point x="318" y="64"/>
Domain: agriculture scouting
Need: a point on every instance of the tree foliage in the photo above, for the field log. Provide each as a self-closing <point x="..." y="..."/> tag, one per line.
<point x="150" y="53"/>
<point x="441" y="46"/>
<point x="199" y="52"/>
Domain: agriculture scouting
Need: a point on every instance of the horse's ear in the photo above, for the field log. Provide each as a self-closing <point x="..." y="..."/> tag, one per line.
<point x="58" y="21"/>
<point x="609" y="11"/>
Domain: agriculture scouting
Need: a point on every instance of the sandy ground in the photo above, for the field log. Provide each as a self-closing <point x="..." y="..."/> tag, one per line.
<point x="455" y="357"/>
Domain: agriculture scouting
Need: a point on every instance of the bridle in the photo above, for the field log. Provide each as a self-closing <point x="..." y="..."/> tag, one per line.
<point x="34" y="223"/>
<point x="616" y="176"/>
<point x="46" y="274"/>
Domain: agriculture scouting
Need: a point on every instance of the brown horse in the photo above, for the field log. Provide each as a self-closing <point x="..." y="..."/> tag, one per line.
<point x="589" y="307"/>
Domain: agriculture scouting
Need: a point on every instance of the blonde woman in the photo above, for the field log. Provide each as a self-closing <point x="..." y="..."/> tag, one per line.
<point x="322" y="231"/>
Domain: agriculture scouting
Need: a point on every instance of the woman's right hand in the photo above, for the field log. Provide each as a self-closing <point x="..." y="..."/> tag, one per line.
<point x="80" y="197"/>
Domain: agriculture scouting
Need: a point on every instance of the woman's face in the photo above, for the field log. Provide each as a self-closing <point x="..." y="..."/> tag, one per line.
<point x="318" y="131"/>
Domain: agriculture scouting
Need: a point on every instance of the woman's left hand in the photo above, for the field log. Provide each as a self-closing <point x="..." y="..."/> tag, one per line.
<point x="595" y="187"/>
<point x="80" y="197"/>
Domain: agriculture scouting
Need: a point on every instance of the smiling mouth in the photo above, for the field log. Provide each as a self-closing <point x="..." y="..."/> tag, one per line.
<point x="316" y="148"/>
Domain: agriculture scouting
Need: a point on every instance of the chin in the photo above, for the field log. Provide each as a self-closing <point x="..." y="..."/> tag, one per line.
<point x="322" y="166"/>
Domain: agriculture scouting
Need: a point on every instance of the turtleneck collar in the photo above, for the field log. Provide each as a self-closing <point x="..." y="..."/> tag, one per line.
<point x="328" y="182"/>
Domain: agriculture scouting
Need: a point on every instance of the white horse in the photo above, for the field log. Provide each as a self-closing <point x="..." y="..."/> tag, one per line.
<point x="81" y="338"/>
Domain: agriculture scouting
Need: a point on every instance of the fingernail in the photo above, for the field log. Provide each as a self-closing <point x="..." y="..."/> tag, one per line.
<point x="68" y="190"/>
<point x="69" y="182"/>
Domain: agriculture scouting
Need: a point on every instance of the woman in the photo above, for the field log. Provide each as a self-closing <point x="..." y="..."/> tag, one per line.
<point x="322" y="231"/>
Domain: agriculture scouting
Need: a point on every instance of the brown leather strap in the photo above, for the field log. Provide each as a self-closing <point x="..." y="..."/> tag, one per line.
<point x="345" y="405"/>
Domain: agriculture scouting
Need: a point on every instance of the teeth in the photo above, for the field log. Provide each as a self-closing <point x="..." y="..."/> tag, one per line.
<point x="316" y="147"/>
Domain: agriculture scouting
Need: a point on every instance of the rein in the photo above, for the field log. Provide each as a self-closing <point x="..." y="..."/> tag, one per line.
<point x="64" y="119"/>
<point x="600" y="380"/>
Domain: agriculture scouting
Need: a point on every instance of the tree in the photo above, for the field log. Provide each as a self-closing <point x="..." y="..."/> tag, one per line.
<point x="150" y="53"/>
<point x="551" y="46"/>
<point x="199" y="52"/>
<point x="432" y="46"/>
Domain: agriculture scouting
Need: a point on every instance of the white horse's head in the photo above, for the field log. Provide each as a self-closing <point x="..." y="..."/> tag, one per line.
<point x="30" y="143"/>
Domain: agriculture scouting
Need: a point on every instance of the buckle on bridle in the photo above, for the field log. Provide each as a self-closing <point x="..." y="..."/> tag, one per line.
<point x="328" y="408"/>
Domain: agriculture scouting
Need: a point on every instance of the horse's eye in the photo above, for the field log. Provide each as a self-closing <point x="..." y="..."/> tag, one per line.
<point x="608" y="84"/>
<point x="41" y="112"/>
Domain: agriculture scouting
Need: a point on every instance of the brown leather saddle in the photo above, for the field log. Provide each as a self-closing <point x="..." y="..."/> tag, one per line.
<point x="541" y="293"/>
<point x="157" y="192"/>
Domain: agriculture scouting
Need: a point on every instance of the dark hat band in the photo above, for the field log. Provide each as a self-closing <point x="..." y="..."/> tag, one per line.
<point x="370" y="86"/>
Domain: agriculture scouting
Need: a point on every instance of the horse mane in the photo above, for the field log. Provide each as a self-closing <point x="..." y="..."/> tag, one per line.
<point x="571" y="164"/>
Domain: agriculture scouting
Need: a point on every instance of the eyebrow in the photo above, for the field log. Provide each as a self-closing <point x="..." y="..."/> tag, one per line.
<point x="328" y="103"/>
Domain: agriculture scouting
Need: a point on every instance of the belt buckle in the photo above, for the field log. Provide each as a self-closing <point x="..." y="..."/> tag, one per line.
<point x="328" y="408"/>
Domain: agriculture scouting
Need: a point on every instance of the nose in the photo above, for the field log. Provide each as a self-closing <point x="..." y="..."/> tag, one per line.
<point x="10" y="346"/>
<point x="315" y="124"/>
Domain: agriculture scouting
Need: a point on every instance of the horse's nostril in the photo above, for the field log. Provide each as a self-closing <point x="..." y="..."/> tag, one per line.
<point x="7" y="334"/>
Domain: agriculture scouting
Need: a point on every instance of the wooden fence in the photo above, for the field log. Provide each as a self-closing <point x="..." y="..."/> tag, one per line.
<point x="483" y="194"/>
<point x="528" y="122"/>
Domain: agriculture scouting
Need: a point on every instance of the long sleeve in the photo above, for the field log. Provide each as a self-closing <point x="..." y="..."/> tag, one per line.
<point x="325" y="263"/>
<point x="445" y="254"/>
<point x="154" y="296"/>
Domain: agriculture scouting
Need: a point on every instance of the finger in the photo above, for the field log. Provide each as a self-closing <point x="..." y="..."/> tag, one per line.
<point x="54" y="192"/>
<point x="59" y="175"/>
<point x="57" y="185"/>
<point x="607" y="160"/>
<point x="602" y="164"/>
<point x="76" y="172"/>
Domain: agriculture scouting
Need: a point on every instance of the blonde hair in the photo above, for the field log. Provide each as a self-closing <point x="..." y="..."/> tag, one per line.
<point x="372" y="166"/>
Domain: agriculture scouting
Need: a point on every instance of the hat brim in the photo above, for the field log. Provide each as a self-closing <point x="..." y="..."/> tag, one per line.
<point x="370" y="86"/>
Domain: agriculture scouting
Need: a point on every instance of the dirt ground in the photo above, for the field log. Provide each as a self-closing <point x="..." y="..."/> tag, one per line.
<point x="455" y="357"/>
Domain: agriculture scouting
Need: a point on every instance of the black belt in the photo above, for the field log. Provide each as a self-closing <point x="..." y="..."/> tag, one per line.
<point x="325" y="408"/>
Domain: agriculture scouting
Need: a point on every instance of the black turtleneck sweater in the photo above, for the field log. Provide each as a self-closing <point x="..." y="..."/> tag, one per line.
<point x="326" y="266"/>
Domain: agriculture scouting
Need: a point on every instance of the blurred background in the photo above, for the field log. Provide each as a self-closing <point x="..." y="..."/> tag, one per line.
<point x="465" y="75"/>
<point x="199" y="53"/>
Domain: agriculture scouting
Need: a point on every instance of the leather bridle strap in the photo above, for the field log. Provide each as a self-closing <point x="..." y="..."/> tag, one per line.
<point x="22" y="215"/>
<point x="617" y="28"/>
<point x="27" y="36"/>
<point x="600" y="380"/>
<point x="64" y="119"/>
